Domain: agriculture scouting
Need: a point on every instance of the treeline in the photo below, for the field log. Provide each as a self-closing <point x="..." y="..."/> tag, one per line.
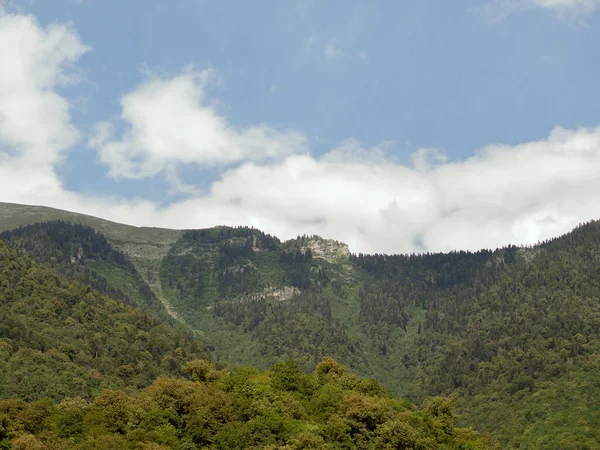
<point x="81" y="370"/>
<point x="218" y="235"/>
<point x="230" y="279"/>
<point x="512" y="334"/>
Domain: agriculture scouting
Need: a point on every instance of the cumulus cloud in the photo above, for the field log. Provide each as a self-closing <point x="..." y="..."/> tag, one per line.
<point x="502" y="194"/>
<point x="35" y="122"/>
<point x="36" y="128"/>
<point x="170" y="122"/>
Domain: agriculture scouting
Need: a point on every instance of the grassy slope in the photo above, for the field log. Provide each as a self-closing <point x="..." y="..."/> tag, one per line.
<point x="13" y="216"/>
<point x="144" y="246"/>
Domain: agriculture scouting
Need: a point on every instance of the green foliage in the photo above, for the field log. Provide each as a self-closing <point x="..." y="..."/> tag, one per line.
<point x="14" y="216"/>
<point x="225" y="282"/>
<point x="511" y="335"/>
<point x="484" y="326"/>
<point x="241" y="409"/>
<point x="59" y="338"/>
<point x="82" y="254"/>
<point x="504" y="331"/>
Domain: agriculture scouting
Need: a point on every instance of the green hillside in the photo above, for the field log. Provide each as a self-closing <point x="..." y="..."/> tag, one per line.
<point x="61" y="338"/>
<point x="82" y="254"/>
<point x="514" y="338"/>
<point x="144" y="247"/>
<point x="512" y="335"/>
<point x="81" y="370"/>
<point x="13" y="216"/>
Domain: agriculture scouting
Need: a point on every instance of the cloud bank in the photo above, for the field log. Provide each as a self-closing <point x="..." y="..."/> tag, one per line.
<point x="268" y="178"/>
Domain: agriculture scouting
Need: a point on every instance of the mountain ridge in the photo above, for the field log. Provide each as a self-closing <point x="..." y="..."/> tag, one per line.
<point x="14" y="215"/>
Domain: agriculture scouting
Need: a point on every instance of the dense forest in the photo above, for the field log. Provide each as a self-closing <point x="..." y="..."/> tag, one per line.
<point x="512" y="335"/>
<point x="499" y="330"/>
<point x="81" y="370"/>
<point x="280" y="409"/>
<point x="61" y="338"/>
<point x="82" y="254"/>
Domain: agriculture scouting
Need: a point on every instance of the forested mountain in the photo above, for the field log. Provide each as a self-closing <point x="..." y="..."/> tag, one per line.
<point x="82" y="254"/>
<point x="512" y="335"/>
<point x="61" y="338"/>
<point x="82" y="370"/>
<point x="516" y="340"/>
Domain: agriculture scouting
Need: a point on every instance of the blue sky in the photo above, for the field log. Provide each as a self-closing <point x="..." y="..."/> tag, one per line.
<point x="381" y="80"/>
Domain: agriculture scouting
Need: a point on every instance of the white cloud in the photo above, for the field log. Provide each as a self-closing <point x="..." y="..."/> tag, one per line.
<point x="35" y="122"/>
<point x="503" y="194"/>
<point x="424" y="158"/>
<point x="169" y="122"/>
<point x="363" y="55"/>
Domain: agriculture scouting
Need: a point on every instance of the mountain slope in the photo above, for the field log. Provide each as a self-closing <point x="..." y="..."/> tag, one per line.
<point x="60" y="338"/>
<point x="511" y="334"/>
<point x="144" y="247"/>
<point x="13" y="216"/>
<point x="82" y="254"/>
<point x="67" y="353"/>
<point x="509" y="338"/>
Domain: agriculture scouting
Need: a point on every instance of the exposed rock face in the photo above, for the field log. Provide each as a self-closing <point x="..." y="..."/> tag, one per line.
<point x="327" y="248"/>
<point x="529" y="254"/>
<point x="77" y="258"/>
<point x="281" y="294"/>
<point x="284" y="293"/>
